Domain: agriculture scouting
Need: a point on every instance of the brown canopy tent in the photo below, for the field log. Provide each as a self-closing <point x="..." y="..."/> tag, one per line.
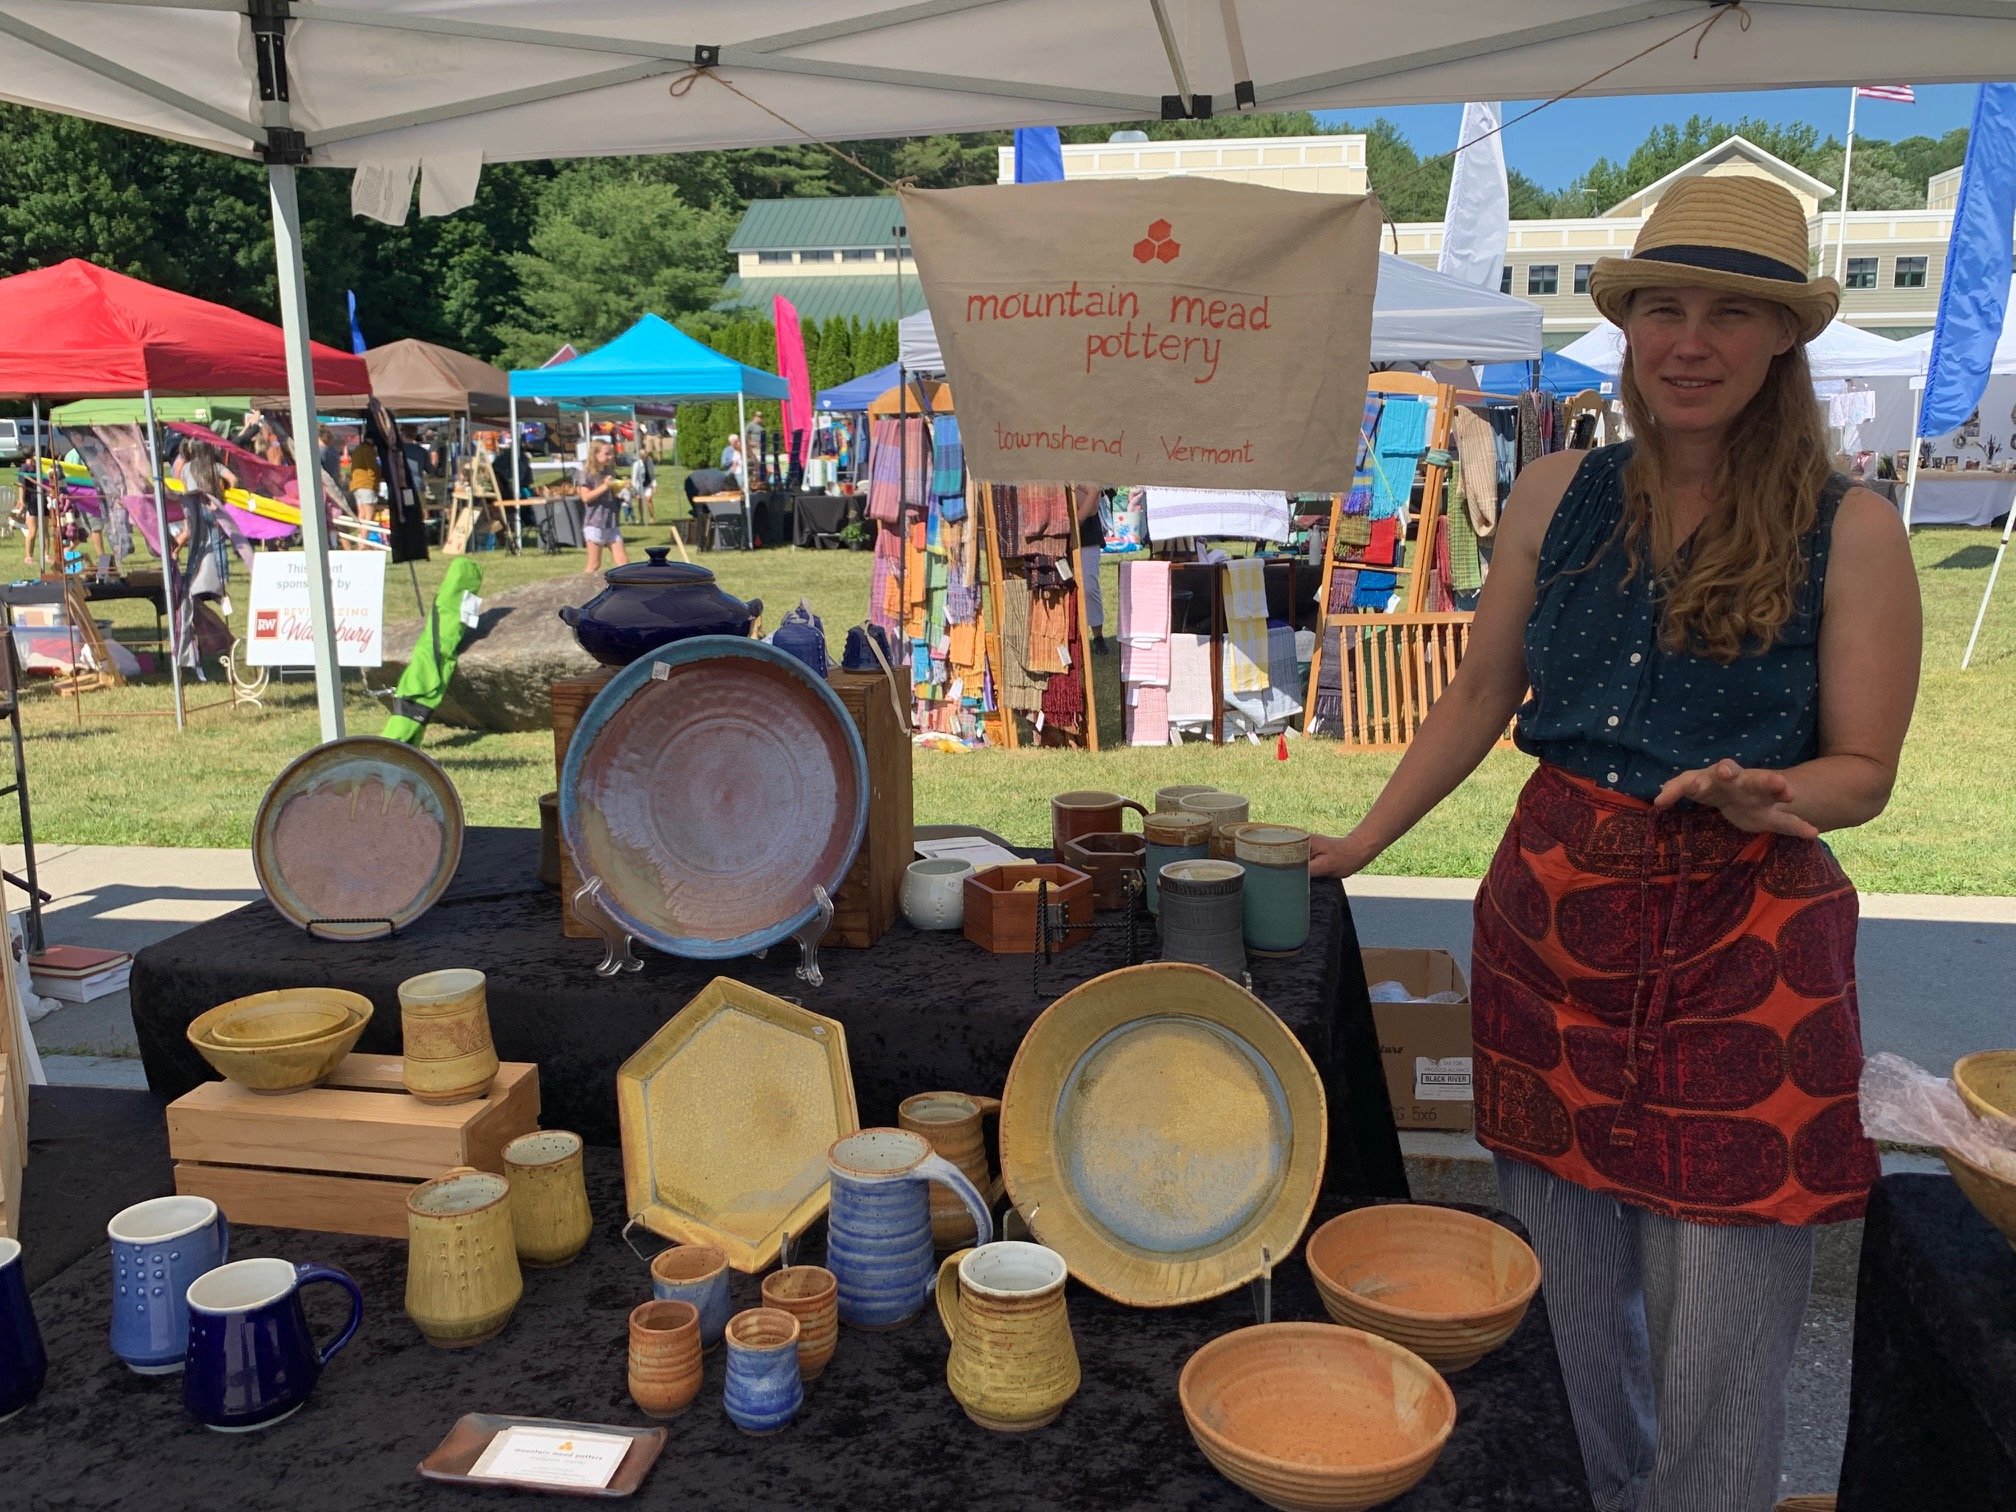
<point x="419" y="378"/>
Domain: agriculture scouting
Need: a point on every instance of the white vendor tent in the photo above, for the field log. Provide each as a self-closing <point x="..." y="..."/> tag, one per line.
<point x="437" y="88"/>
<point x="1840" y="351"/>
<point x="1418" y="315"/>
<point x="1980" y="495"/>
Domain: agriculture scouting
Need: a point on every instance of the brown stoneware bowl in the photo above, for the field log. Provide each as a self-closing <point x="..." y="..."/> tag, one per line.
<point x="1310" y="1417"/>
<point x="1450" y="1286"/>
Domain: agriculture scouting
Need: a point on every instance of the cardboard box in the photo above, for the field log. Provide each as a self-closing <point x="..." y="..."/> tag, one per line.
<point x="1424" y="1047"/>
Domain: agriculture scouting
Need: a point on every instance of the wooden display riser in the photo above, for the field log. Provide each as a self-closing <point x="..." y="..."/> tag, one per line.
<point x="340" y="1158"/>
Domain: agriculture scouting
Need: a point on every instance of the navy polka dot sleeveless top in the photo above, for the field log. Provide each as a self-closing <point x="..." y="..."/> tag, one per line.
<point x="1609" y="704"/>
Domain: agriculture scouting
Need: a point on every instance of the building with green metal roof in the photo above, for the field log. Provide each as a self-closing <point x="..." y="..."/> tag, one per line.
<point x="833" y="256"/>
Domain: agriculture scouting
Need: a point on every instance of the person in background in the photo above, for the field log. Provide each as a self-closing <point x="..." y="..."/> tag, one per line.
<point x="601" y="524"/>
<point x="731" y="460"/>
<point x="211" y="535"/>
<point x="644" y="484"/>
<point x="330" y="454"/>
<point x="1091" y="540"/>
<point x="364" y="477"/>
<point x="1712" y="643"/>
<point x="756" y="453"/>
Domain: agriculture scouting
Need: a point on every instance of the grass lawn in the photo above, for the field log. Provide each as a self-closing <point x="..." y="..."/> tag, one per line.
<point x="115" y="772"/>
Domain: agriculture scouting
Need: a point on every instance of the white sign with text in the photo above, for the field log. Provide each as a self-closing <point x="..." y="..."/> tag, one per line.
<point x="280" y="634"/>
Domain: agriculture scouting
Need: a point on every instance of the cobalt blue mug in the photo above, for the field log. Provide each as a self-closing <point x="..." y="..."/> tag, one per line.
<point x="158" y="1248"/>
<point x="252" y="1359"/>
<point x="22" y="1361"/>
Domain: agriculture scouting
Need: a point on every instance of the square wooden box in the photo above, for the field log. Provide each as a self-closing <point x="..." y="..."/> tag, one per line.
<point x="1000" y="919"/>
<point x="342" y="1157"/>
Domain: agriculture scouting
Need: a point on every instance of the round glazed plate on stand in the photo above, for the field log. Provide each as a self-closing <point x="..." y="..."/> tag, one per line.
<point x="709" y="789"/>
<point x="1159" y="1127"/>
<point x="357" y="838"/>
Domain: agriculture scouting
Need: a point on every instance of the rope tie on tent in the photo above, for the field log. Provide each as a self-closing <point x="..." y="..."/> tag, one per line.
<point x="679" y="87"/>
<point x="1700" y="29"/>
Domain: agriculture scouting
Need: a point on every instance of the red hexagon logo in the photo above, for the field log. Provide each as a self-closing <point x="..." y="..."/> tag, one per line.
<point x="1144" y="250"/>
<point x="1160" y="231"/>
<point x="1168" y="251"/>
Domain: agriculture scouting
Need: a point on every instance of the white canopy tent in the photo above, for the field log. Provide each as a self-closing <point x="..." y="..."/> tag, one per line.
<point x="1418" y="315"/>
<point x="439" y="87"/>
<point x="1840" y="351"/>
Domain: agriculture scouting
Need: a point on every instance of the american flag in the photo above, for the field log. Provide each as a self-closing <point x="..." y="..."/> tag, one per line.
<point x="1899" y="93"/>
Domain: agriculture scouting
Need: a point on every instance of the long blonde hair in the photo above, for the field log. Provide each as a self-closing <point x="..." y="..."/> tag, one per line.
<point x="1740" y="579"/>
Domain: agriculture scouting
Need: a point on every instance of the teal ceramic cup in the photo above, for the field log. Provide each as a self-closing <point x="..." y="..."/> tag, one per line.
<point x="1276" y="900"/>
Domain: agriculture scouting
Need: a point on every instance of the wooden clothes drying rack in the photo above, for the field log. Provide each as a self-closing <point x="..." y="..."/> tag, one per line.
<point x="1398" y="663"/>
<point x="1215" y="574"/>
<point x="475" y="497"/>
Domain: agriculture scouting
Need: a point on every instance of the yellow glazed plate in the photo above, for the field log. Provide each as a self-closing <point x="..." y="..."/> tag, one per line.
<point x="727" y="1113"/>
<point x="1159" y="1126"/>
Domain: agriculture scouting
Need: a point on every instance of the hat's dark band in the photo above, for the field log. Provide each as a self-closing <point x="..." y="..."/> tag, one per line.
<point x="1725" y="260"/>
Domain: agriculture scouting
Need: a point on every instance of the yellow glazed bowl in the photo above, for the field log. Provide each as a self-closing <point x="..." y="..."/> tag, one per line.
<point x="1450" y="1286"/>
<point x="1986" y="1081"/>
<point x="1310" y="1417"/>
<point x="288" y="1066"/>
<point x="287" y="1018"/>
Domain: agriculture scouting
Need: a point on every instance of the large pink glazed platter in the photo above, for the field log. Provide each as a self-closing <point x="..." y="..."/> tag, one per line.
<point x="709" y="789"/>
<point x="357" y="838"/>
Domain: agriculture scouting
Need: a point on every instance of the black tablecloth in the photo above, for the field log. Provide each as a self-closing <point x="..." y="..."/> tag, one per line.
<point x="1932" y="1405"/>
<point x="820" y="514"/>
<point x="91" y="1152"/>
<point x="923" y="1011"/>
<point x="879" y="1431"/>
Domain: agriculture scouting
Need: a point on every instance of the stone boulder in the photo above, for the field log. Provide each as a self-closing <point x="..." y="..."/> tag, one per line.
<point x="519" y="646"/>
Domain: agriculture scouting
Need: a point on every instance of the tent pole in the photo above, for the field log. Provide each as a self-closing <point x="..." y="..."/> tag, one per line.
<point x="301" y="411"/>
<point x="1988" y="593"/>
<point x="167" y="561"/>
<point x="41" y="488"/>
<point x="1917" y="446"/>
<point x="742" y="446"/>
<point x="517" y="514"/>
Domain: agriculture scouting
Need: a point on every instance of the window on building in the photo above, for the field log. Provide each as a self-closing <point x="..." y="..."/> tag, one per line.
<point x="1582" y="277"/>
<point x="1505" y="280"/>
<point x="773" y="257"/>
<point x="1861" y="272"/>
<point x="1542" y="278"/>
<point x="858" y="254"/>
<point x="1910" y="273"/>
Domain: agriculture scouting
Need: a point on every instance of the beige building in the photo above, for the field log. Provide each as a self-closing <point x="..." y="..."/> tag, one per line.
<point x="1890" y="275"/>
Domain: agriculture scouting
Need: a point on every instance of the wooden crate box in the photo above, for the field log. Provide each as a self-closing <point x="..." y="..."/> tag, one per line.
<point x="342" y="1157"/>
<point x="869" y="899"/>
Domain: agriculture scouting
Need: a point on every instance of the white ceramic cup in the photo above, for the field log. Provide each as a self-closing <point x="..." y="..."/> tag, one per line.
<point x="934" y="893"/>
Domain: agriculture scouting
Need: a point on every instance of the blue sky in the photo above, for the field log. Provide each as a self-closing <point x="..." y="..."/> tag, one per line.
<point x="1561" y="141"/>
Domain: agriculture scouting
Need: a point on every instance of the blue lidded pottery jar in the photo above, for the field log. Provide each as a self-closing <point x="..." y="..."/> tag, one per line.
<point x="1172" y="835"/>
<point x="652" y="604"/>
<point x="1276" y="858"/>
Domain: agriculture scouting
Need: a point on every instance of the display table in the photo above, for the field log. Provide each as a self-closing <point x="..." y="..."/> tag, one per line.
<point x="923" y="1012"/>
<point x="1962" y="498"/>
<point x="1930" y="1420"/>
<point x="91" y="1152"/>
<point x="879" y="1431"/>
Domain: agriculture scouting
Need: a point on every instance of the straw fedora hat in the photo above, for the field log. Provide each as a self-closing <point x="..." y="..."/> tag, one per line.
<point x="1742" y="235"/>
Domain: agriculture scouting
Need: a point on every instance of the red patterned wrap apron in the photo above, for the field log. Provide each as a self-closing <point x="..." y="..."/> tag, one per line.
<point x="1664" y="1009"/>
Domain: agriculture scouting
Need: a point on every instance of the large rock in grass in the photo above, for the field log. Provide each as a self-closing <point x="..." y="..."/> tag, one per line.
<point x="519" y="646"/>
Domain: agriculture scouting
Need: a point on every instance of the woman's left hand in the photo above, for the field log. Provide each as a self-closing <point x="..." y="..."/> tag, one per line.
<point x="1751" y="798"/>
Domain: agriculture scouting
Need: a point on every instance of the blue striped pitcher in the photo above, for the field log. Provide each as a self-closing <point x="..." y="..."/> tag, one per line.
<point x="878" y="1231"/>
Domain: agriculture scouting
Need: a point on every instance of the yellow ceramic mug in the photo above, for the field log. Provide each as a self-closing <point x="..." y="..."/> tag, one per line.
<point x="951" y="1121"/>
<point x="462" y="1280"/>
<point x="445" y="1019"/>
<point x="550" y="1220"/>
<point x="1013" y="1365"/>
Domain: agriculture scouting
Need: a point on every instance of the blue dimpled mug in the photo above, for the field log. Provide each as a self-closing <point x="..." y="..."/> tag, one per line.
<point x="158" y="1248"/>
<point x="23" y="1364"/>
<point x="763" y="1392"/>
<point x="252" y="1358"/>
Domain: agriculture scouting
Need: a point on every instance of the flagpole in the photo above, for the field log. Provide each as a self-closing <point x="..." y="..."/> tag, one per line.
<point x="1847" y="159"/>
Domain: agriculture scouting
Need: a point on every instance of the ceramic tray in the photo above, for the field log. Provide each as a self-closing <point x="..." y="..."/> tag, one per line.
<point x="709" y="789"/>
<point x="357" y="838"/>
<point x="727" y="1113"/>
<point x="471" y="1435"/>
<point x="1159" y="1126"/>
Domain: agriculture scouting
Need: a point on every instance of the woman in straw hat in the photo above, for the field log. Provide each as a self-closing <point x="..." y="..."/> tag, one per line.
<point x="1711" y="642"/>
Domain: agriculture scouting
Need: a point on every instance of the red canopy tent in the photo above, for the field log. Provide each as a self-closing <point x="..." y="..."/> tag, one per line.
<point x="78" y="330"/>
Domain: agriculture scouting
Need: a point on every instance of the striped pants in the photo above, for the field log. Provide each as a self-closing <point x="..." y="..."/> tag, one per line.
<point x="1675" y="1341"/>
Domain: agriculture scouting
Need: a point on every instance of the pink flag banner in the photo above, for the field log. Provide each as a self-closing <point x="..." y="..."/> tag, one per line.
<point x="791" y="368"/>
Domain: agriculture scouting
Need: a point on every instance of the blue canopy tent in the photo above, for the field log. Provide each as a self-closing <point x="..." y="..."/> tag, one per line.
<point x="652" y="360"/>
<point x="856" y="394"/>
<point x="1560" y="376"/>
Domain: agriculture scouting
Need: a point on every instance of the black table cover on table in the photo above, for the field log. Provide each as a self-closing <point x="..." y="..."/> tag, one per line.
<point x="91" y="1152"/>
<point x="879" y="1431"/>
<point x="820" y="515"/>
<point x="923" y="1012"/>
<point x="1932" y="1404"/>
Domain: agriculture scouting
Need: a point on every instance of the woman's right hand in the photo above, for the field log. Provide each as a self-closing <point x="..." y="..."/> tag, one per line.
<point x="1337" y="856"/>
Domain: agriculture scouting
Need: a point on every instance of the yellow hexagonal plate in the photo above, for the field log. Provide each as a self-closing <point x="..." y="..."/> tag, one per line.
<point x="727" y="1113"/>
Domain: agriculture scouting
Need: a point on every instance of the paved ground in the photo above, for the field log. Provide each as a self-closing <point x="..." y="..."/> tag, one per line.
<point x="1934" y="976"/>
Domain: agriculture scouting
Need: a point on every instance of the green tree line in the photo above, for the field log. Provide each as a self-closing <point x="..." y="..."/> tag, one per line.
<point x="574" y="251"/>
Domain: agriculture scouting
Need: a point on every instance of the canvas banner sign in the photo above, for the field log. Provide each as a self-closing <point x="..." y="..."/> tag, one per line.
<point x="1176" y="331"/>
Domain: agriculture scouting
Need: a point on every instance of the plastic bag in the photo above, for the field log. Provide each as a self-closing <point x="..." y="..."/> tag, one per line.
<point x="1906" y="1104"/>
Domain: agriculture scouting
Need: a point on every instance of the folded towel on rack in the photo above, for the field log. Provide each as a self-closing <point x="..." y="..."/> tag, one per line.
<point x="1246" y="585"/>
<point x="948" y="459"/>
<point x="1279" y="699"/>
<point x="1246" y="514"/>
<point x="1245" y="655"/>
<point x="1401" y="439"/>
<point x="1148" y="716"/>
<point x="1144" y="601"/>
<point x="1145" y="664"/>
<point x="1190" y="679"/>
<point x="1383" y="549"/>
